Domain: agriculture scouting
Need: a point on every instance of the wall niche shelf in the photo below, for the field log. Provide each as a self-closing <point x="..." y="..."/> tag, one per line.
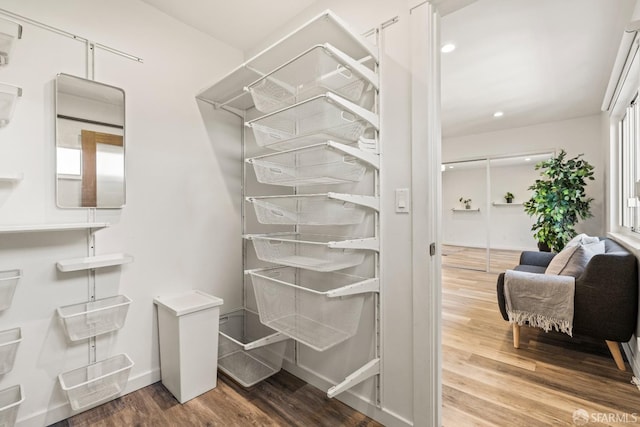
<point x="11" y="177"/>
<point x="508" y="204"/>
<point x="29" y="228"/>
<point x="466" y="210"/>
<point x="9" y="32"/>
<point x="98" y="261"/>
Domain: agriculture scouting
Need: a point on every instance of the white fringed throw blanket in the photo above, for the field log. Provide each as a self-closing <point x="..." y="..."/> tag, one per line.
<point x="541" y="300"/>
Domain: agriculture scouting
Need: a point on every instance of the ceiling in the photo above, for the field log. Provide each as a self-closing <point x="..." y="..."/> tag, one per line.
<point x="536" y="60"/>
<point x="241" y="23"/>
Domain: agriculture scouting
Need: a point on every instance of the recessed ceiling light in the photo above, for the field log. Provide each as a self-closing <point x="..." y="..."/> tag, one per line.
<point x="528" y="159"/>
<point x="498" y="114"/>
<point x="450" y="167"/>
<point x="449" y="47"/>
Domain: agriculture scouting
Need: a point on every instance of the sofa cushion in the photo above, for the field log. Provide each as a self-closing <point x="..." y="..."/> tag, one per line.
<point x="530" y="268"/>
<point x="572" y="260"/>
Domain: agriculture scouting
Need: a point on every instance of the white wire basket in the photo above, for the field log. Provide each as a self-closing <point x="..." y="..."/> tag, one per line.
<point x="249" y="351"/>
<point x="89" y="319"/>
<point x="320" y="69"/>
<point x="309" y="251"/>
<point x="9" y="95"/>
<point x="8" y="282"/>
<point x="307" y="209"/>
<point x="313" y="165"/>
<point x="312" y="121"/>
<point x="10" y="400"/>
<point x="9" y="341"/>
<point x="299" y="304"/>
<point x="96" y="383"/>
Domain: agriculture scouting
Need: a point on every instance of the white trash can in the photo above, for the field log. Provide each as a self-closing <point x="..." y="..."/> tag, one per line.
<point x="188" y="332"/>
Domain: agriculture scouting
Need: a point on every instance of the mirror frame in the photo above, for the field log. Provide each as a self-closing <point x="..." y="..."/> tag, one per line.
<point x="124" y="140"/>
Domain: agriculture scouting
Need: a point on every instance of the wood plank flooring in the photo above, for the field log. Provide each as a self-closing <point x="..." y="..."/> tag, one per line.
<point x="475" y="258"/>
<point x="282" y="400"/>
<point x="487" y="382"/>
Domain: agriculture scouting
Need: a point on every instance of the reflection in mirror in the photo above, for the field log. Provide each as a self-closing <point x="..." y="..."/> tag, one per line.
<point x="89" y="144"/>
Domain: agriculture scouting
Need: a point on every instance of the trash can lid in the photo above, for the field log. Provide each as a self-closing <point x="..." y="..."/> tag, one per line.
<point x="188" y="302"/>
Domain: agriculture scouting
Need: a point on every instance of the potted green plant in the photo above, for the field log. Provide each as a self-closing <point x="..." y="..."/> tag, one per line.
<point x="508" y="196"/>
<point x="465" y="202"/>
<point x="559" y="200"/>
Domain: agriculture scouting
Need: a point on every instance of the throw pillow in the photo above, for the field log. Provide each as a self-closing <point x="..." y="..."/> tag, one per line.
<point x="574" y="259"/>
<point x="582" y="239"/>
<point x="560" y="261"/>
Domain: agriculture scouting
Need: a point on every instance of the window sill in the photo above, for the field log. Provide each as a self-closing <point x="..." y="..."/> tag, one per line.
<point x="630" y="241"/>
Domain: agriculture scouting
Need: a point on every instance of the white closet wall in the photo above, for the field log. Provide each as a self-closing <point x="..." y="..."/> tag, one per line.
<point x="579" y="135"/>
<point x="182" y="190"/>
<point x="397" y="343"/>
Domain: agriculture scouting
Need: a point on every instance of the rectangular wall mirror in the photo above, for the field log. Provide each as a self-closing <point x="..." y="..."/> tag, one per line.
<point x="90" y="150"/>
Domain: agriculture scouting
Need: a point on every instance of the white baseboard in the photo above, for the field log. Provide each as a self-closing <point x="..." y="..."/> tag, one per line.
<point x="382" y="415"/>
<point x="388" y="418"/>
<point x="62" y="412"/>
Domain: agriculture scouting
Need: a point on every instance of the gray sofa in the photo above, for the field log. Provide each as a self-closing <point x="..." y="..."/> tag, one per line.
<point x="606" y="295"/>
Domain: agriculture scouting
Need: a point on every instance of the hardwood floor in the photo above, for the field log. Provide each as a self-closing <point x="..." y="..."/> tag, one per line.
<point x="487" y="382"/>
<point x="475" y="258"/>
<point x="282" y="400"/>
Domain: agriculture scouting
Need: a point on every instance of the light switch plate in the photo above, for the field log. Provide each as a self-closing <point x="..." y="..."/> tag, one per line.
<point x="403" y="200"/>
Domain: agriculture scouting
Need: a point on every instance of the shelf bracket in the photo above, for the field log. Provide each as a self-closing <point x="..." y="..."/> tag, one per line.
<point x="367" y="201"/>
<point x="367" y="157"/>
<point x="367" y="371"/>
<point x="370" y="285"/>
<point x="370" y="117"/>
<point x="356" y="66"/>
<point x="370" y="243"/>
<point x="271" y="339"/>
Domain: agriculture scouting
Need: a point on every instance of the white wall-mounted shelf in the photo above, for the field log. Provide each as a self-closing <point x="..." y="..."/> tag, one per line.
<point x="99" y="261"/>
<point x="321" y="113"/>
<point x="11" y="177"/>
<point x="508" y="204"/>
<point x="325" y="28"/>
<point x="29" y="228"/>
<point x="466" y="210"/>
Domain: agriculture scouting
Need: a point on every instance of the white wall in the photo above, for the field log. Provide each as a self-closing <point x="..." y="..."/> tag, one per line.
<point x="467" y="228"/>
<point x="181" y="219"/>
<point x="576" y="136"/>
